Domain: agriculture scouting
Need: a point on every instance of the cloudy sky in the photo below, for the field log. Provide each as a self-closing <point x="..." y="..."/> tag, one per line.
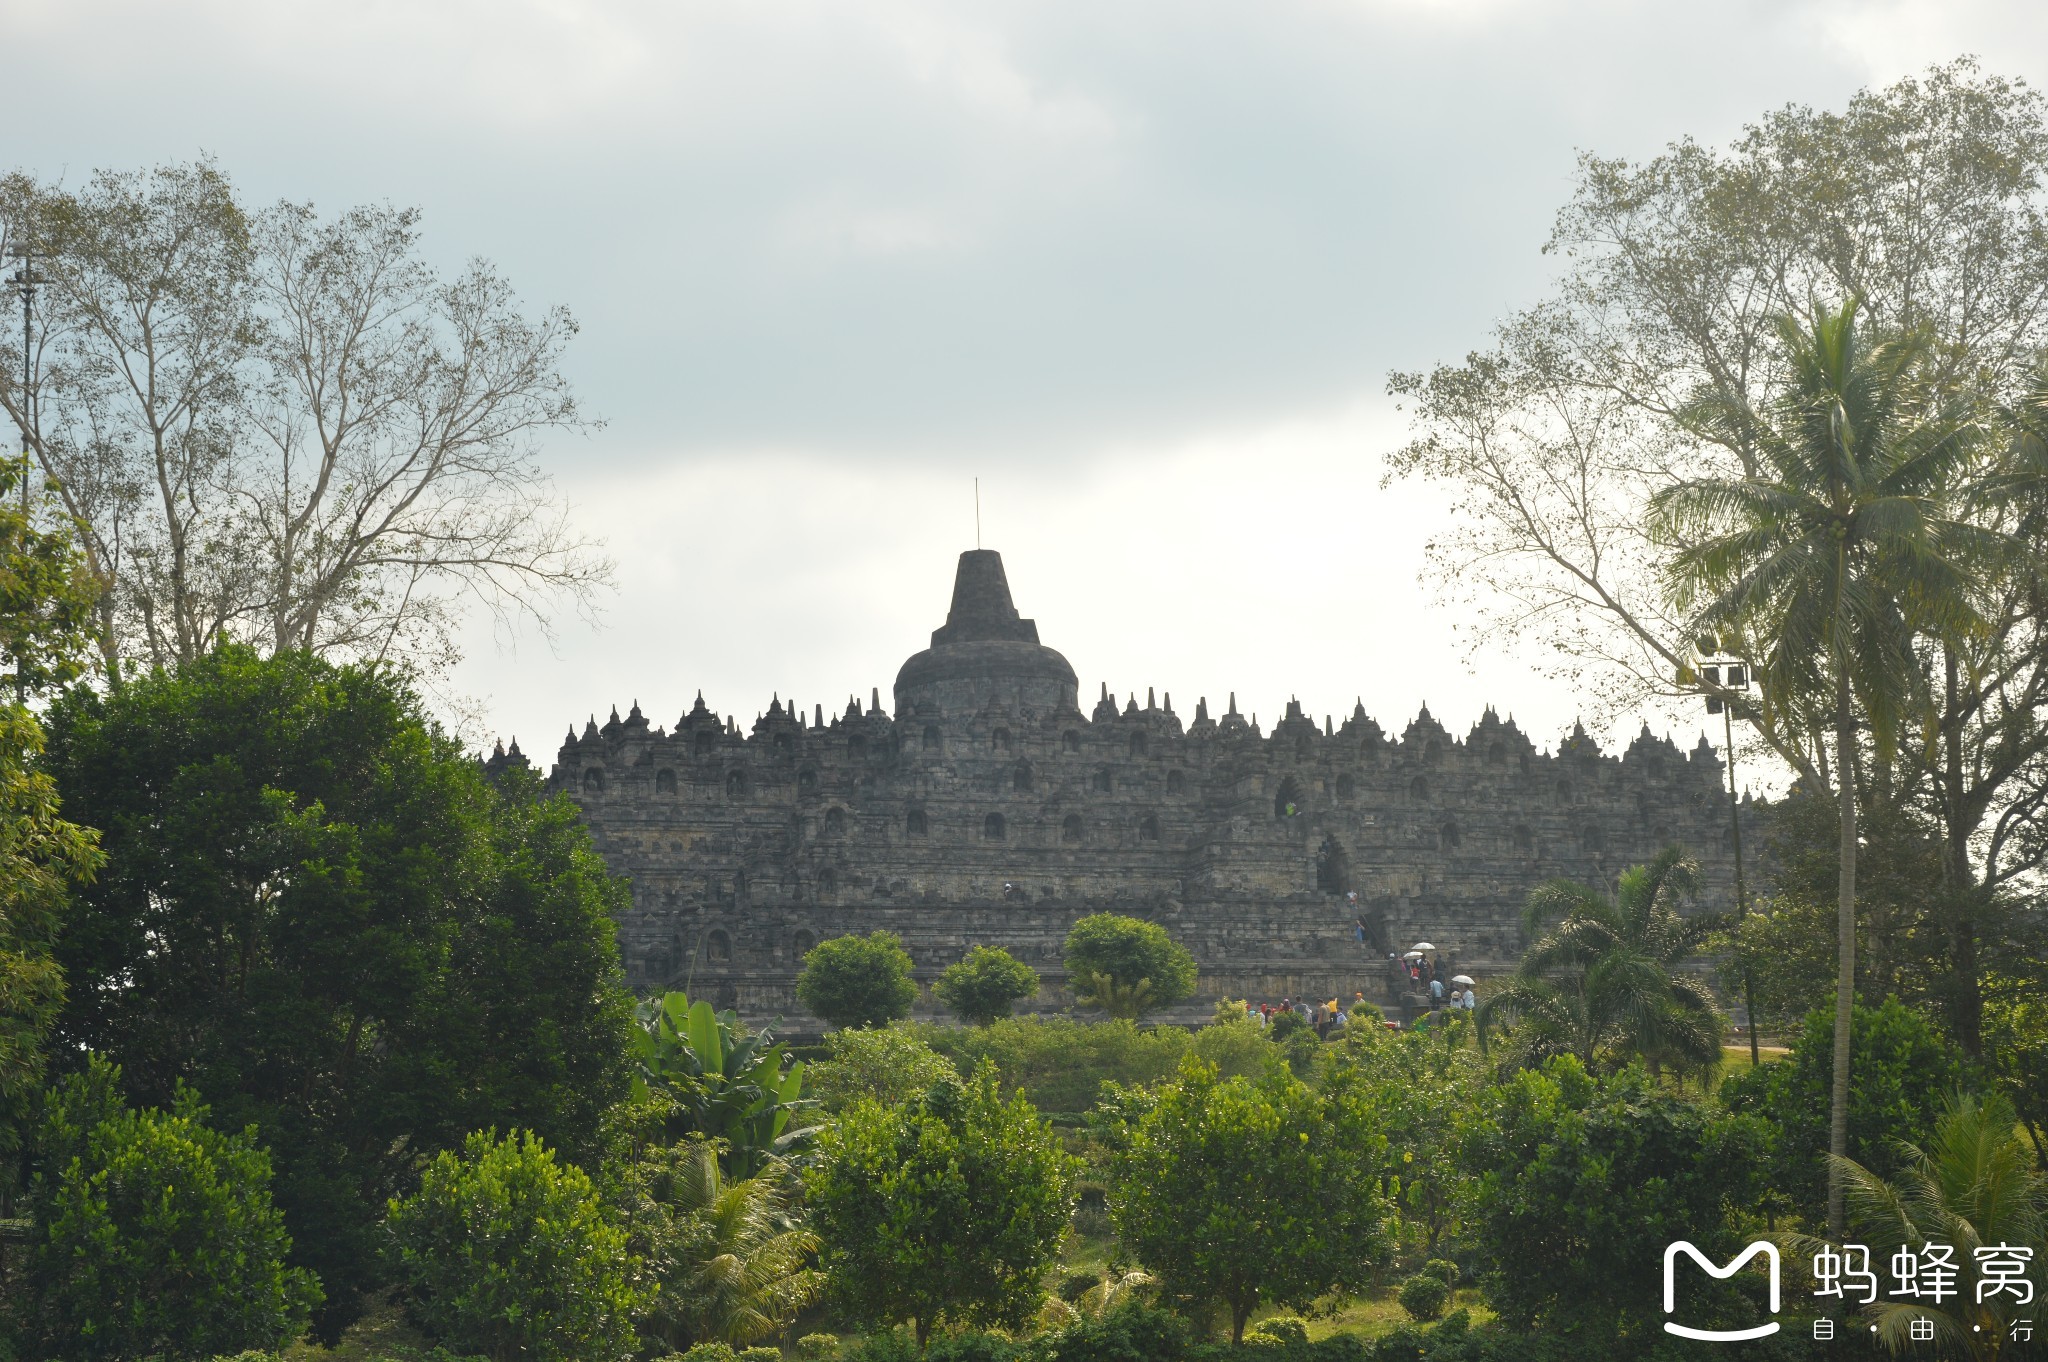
<point x="1141" y="268"/>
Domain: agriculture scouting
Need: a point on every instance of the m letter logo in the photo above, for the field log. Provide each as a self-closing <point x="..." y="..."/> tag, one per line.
<point x="1769" y="1251"/>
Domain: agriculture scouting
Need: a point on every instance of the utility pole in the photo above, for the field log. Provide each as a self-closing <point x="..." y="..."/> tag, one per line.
<point x="1733" y="674"/>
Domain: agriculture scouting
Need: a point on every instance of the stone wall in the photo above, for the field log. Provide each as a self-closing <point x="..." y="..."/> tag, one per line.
<point x="986" y="808"/>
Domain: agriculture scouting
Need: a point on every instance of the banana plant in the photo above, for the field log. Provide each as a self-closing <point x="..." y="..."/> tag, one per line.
<point x="725" y="1083"/>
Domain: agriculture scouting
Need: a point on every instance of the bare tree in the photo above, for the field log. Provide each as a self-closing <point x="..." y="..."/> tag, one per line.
<point x="289" y="430"/>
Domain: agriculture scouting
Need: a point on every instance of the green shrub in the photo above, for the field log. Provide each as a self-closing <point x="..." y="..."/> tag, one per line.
<point x="857" y="980"/>
<point x="1061" y="1063"/>
<point x="760" y="1354"/>
<point x="504" y="1251"/>
<point x="1424" y="1297"/>
<point x="972" y="1347"/>
<point x="154" y="1235"/>
<point x="895" y="1345"/>
<point x="1129" y="1333"/>
<point x="891" y="1064"/>
<point x="712" y="1351"/>
<point x="1444" y="1270"/>
<point x="1288" y="1329"/>
<point x="1367" y="1014"/>
<point x="986" y="985"/>
<point x="818" y="1347"/>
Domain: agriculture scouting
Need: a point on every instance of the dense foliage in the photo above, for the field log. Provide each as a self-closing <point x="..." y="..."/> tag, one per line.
<point x="721" y="1082"/>
<point x="154" y="1233"/>
<point x="324" y="918"/>
<point x="1573" y="1187"/>
<point x="857" y="980"/>
<point x="1236" y="1189"/>
<point x="506" y="1253"/>
<point x="46" y="602"/>
<point x="1905" y="1074"/>
<point x="949" y="1208"/>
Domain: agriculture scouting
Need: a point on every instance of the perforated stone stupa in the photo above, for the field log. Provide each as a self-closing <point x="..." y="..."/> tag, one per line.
<point x="983" y="806"/>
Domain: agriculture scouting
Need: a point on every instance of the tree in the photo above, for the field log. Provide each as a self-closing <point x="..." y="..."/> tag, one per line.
<point x="741" y="1090"/>
<point x="947" y="1209"/>
<point x="283" y="428"/>
<point x="986" y="985"/>
<point x="1973" y="1186"/>
<point x="506" y="1253"/>
<point x="321" y="915"/>
<point x="1833" y="557"/>
<point x="45" y="619"/>
<point x="1905" y="1075"/>
<point x="154" y="1234"/>
<point x="1127" y="966"/>
<point x="1246" y="1191"/>
<point x="734" y="1266"/>
<point x="1923" y="199"/>
<point x="857" y="980"/>
<point x="1572" y="1188"/>
<point x="1604" y="983"/>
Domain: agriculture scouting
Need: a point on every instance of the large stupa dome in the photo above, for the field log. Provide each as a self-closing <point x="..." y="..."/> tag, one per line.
<point x="984" y="652"/>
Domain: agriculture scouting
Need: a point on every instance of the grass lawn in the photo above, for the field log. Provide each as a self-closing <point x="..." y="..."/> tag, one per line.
<point x="1377" y="1312"/>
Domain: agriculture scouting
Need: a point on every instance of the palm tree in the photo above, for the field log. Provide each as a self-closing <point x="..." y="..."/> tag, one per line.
<point x="1975" y="1186"/>
<point x="1833" y="557"/>
<point x="736" y="1270"/>
<point x="1604" y="982"/>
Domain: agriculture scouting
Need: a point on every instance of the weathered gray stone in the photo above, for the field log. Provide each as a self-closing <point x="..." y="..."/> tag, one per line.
<point x="986" y="808"/>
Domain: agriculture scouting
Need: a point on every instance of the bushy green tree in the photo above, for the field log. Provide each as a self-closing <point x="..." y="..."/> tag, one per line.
<point x="986" y="985"/>
<point x="1572" y="1187"/>
<point x="890" y="1064"/>
<point x="857" y="980"/>
<point x="1905" y="1073"/>
<point x="154" y="1234"/>
<point x="1244" y="1191"/>
<point x="948" y="1208"/>
<point x="46" y="601"/>
<point x="1126" y="966"/>
<point x="508" y="1254"/>
<point x="320" y="913"/>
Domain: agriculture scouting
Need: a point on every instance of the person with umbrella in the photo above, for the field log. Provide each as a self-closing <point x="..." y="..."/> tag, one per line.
<point x="1471" y="998"/>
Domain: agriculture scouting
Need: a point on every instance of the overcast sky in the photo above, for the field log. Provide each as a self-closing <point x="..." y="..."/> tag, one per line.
<point x="1140" y="267"/>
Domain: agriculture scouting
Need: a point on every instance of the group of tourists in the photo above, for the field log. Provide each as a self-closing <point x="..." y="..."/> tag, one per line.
<point x="1425" y="977"/>
<point x="1325" y="1018"/>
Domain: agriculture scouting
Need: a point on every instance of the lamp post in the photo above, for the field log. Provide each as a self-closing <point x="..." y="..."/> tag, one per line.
<point x="1729" y="675"/>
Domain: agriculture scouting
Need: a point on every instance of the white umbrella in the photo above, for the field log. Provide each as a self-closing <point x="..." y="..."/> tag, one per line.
<point x="1463" y="979"/>
<point x="1423" y="946"/>
<point x="1412" y="955"/>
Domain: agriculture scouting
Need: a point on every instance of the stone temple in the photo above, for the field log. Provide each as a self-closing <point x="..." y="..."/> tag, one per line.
<point x="984" y="806"/>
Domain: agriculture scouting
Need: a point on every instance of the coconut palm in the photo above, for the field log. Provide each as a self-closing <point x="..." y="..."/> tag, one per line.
<point x="1601" y="978"/>
<point x="1974" y="1186"/>
<point x="736" y="1267"/>
<point x="1841" y="549"/>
